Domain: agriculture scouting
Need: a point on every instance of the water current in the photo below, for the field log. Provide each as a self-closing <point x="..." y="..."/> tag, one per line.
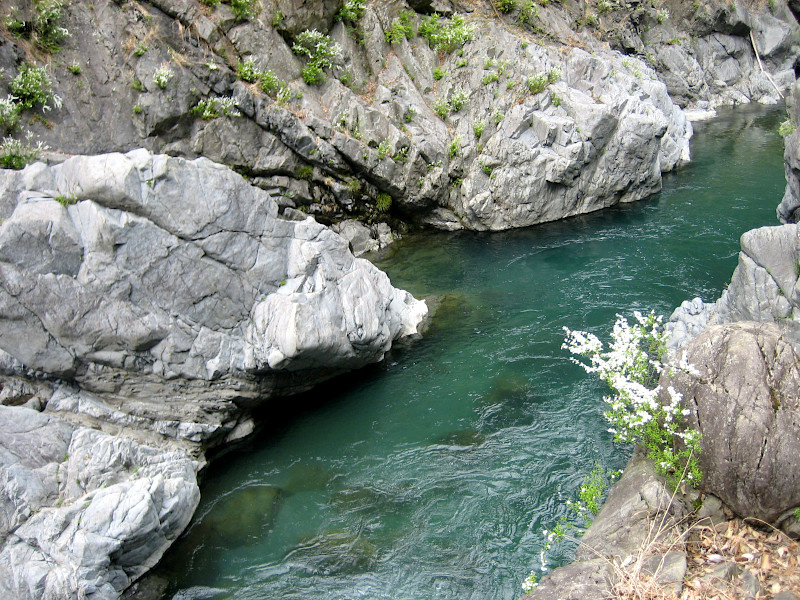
<point x="433" y="474"/>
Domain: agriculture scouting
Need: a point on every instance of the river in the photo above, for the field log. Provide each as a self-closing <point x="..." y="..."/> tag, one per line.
<point x="433" y="474"/>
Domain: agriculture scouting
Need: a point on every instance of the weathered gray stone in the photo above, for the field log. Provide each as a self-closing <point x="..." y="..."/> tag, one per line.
<point x="84" y="513"/>
<point x="744" y="401"/>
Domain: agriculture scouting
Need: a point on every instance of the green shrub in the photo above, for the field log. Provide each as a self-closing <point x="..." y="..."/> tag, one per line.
<point x="409" y="114"/>
<point x="140" y="49"/>
<point x="212" y="108"/>
<point x="555" y="99"/>
<point x="15" y="154"/>
<point x="321" y="52"/>
<point x="384" y="202"/>
<point x="527" y="14"/>
<point x="438" y="73"/>
<point x="138" y="109"/>
<point x="455" y="147"/>
<point x="32" y="86"/>
<point x="505" y="5"/>
<point x="9" y="114"/>
<point x="75" y="68"/>
<point x="446" y="35"/>
<point x="245" y="9"/>
<point x="553" y="75"/>
<point x="42" y="29"/>
<point x="477" y="128"/>
<point x="384" y="149"/>
<point x="352" y="11"/>
<point x="305" y="172"/>
<point x="246" y="71"/>
<point x="537" y="83"/>
<point x="162" y="75"/>
<point x="401" y="28"/>
<point x="458" y="100"/>
<point x="490" y="77"/>
<point x="441" y="107"/>
<point x="269" y="82"/>
<point x="787" y="128"/>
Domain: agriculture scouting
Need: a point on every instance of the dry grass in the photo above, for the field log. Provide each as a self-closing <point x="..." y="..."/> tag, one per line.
<point x="724" y="560"/>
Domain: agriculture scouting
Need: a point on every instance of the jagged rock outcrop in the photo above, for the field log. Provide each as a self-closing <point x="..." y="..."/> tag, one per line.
<point x="513" y="153"/>
<point x="84" y="513"/>
<point x="638" y="517"/>
<point x="148" y="304"/>
<point x="600" y="131"/>
<point x="763" y="288"/>
<point x="744" y="398"/>
<point x="789" y="208"/>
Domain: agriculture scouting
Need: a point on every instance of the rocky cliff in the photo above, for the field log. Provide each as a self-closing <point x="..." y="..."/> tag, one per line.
<point x="490" y="122"/>
<point x="148" y="305"/>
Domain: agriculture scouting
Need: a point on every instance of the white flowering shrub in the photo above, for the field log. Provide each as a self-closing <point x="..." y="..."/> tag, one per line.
<point x="32" y="86"/>
<point x="162" y="75"/>
<point x="212" y="108"/>
<point x="9" y="113"/>
<point x="630" y="367"/>
<point x="322" y="53"/>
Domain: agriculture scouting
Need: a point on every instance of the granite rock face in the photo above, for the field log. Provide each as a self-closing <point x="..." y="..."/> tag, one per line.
<point x="789" y="208"/>
<point x="744" y="401"/>
<point x="763" y="288"/>
<point x="178" y="278"/>
<point x="147" y="304"/>
<point x="84" y="513"/>
<point x="638" y="505"/>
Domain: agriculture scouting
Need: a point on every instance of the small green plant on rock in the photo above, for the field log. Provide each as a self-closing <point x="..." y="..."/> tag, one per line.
<point x="458" y="99"/>
<point x="477" y="128"/>
<point x="9" y="113"/>
<point x="527" y="13"/>
<point x="384" y="202"/>
<point x="305" y="172"/>
<point x="322" y="52"/>
<point x="43" y="28"/>
<point x="351" y="11"/>
<point x="246" y="70"/>
<point x="438" y="73"/>
<point x="16" y="154"/>
<point x="212" y="108"/>
<point x="401" y="28"/>
<point x="537" y="83"/>
<point x="505" y="5"/>
<point x="245" y="9"/>
<point x="787" y="128"/>
<point x="32" y="86"/>
<point x="162" y="75"/>
<point x="384" y="149"/>
<point x="270" y="83"/>
<point x="441" y="107"/>
<point x="75" y="68"/>
<point x="455" y="147"/>
<point x="446" y="35"/>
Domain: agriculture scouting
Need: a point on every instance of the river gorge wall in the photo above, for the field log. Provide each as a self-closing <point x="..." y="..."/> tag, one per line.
<point x="162" y="278"/>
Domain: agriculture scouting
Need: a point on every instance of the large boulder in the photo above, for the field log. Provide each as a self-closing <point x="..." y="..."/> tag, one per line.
<point x="84" y="513"/>
<point x="744" y="397"/>
<point x="147" y="305"/>
<point x="142" y="277"/>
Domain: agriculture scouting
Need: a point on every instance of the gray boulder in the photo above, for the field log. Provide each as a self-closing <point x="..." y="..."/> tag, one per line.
<point x="84" y="513"/>
<point x="142" y="273"/>
<point x="637" y="519"/>
<point x="743" y="399"/>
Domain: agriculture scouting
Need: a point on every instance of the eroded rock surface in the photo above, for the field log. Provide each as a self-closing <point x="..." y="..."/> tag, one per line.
<point x="745" y="401"/>
<point x="147" y="304"/>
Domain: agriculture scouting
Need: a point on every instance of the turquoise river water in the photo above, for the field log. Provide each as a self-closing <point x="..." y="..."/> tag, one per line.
<point x="433" y="474"/>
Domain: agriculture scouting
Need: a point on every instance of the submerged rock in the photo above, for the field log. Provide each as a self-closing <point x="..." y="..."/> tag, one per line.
<point x="333" y="553"/>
